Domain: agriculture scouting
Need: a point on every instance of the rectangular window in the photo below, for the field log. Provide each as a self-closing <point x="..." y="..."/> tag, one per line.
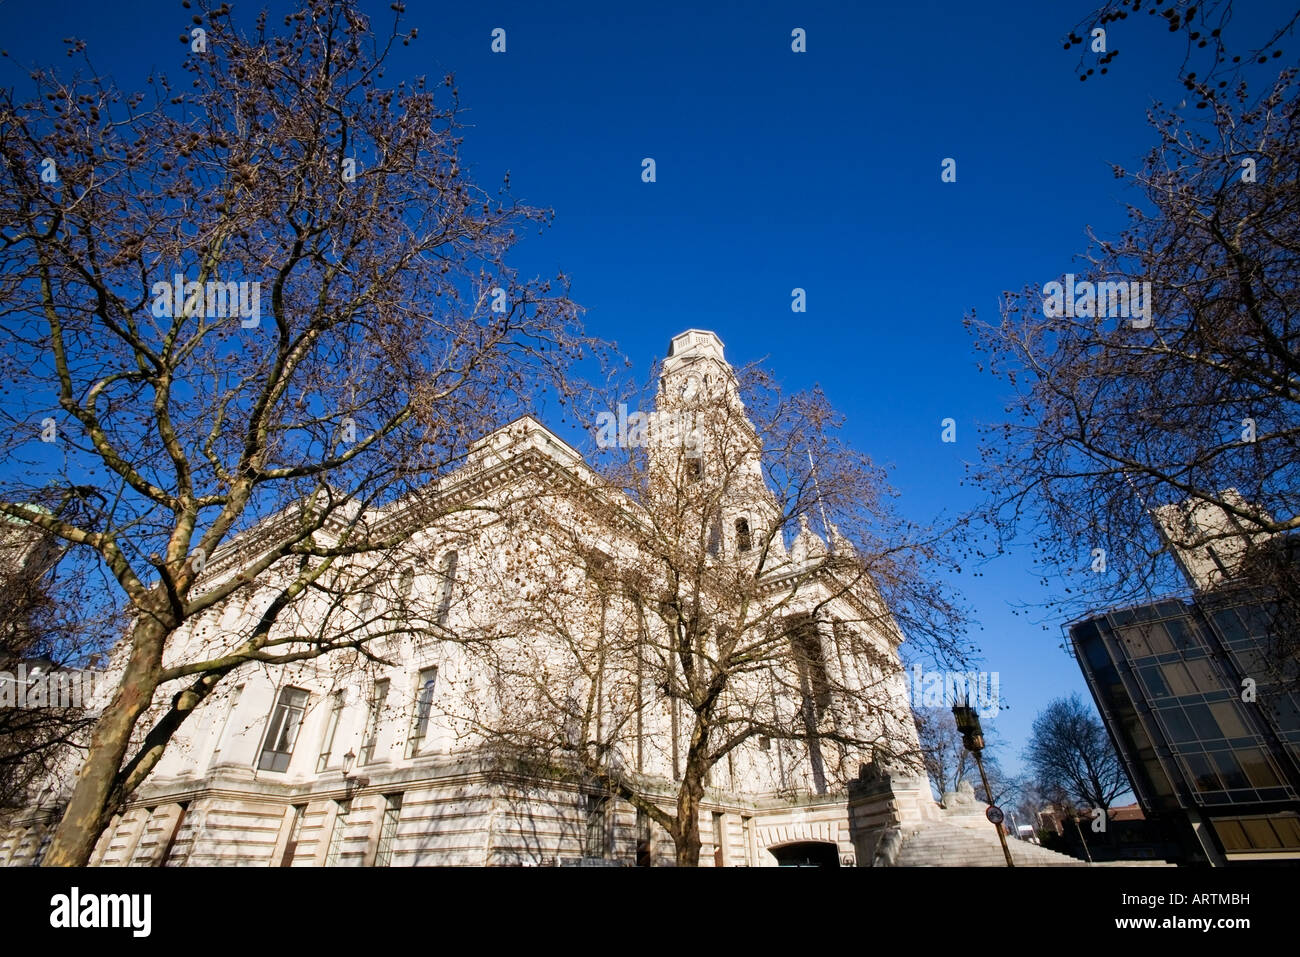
<point x="423" y="705"/>
<point x="337" y="701"/>
<point x="295" y="832"/>
<point x="448" y="573"/>
<point x="374" y="720"/>
<point x="1229" y="771"/>
<point x="1229" y="719"/>
<point x="1230" y="627"/>
<point x="597" y="843"/>
<point x="1231" y="835"/>
<point x="810" y="661"/>
<point x="224" y="733"/>
<point x="719" y="840"/>
<point x="1177" y="678"/>
<point x="339" y="832"/>
<point x="1157" y="637"/>
<point x="1257" y="768"/>
<point x="388" y="830"/>
<point x="1203" y="722"/>
<point x="1200" y="772"/>
<point x="1135" y="641"/>
<point x="1203" y="676"/>
<point x="1179" y="728"/>
<point x="644" y="840"/>
<point x="1261" y="836"/>
<point x="1288" y="830"/>
<point x="282" y="730"/>
<point x="1183" y="635"/>
<point x="715" y="535"/>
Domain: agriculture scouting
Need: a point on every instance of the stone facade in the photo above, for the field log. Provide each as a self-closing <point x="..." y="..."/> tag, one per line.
<point x="305" y="765"/>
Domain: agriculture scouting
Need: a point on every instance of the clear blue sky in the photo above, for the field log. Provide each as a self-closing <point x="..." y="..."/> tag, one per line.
<point x="775" y="170"/>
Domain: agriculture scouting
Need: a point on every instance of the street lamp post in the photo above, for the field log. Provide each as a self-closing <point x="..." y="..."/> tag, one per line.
<point x="972" y="736"/>
<point x="350" y="782"/>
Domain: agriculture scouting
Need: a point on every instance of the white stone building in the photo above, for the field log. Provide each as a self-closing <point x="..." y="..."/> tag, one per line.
<point x="384" y="762"/>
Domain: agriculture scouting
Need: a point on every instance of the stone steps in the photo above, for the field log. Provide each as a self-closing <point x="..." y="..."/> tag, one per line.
<point x="937" y="844"/>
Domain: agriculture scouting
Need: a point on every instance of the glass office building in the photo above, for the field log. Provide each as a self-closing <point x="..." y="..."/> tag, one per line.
<point x="1204" y="710"/>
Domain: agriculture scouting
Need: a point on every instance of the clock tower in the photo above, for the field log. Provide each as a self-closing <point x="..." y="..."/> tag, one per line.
<point x="719" y="463"/>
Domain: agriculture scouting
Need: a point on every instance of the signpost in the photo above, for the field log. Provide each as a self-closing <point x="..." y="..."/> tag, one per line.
<point x="972" y="736"/>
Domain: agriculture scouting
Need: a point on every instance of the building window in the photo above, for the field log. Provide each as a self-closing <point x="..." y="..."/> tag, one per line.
<point x="644" y="840"/>
<point x="715" y="534"/>
<point x="597" y="842"/>
<point x="448" y="574"/>
<point x="694" y="467"/>
<point x="719" y="839"/>
<point x="338" y="699"/>
<point x="378" y="698"/>
<point x="338" y="834"/>
<point x="744" y="542"/>
<point x="1258" y="833"/>
<point x="388" y="830"/>
<point x="405" y="581"/>
<point x="814" y="683"/>
<point x="810" y="662"/>
<point x="282" y="730"/>
<point x="224" y="733"/>
<point x="1256" y="765"/>
<point x="295" y="832"/>
<point x="423" y="705"/>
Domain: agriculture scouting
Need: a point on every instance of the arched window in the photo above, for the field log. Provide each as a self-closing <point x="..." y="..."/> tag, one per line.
<point x="744" y="542"/>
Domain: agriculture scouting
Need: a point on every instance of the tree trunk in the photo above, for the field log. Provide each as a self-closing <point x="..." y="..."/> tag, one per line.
<point x="88" y="812"/>
<point x="687" y="838"/>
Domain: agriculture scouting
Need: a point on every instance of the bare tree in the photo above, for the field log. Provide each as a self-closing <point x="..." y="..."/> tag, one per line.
<point x="1117" y="414"/>
<point x="1030" y="802"/>
<point x="948" y="763"/>
<point x="1069" y="753"/>
<point x="52" y="634"/>
<point x="268" y="297"/>
<point x="684" y="625"/>
<point x="1218" y="47"/>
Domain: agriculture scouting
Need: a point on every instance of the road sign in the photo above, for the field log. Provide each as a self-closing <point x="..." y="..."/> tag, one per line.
<point x="994" y="814"/>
